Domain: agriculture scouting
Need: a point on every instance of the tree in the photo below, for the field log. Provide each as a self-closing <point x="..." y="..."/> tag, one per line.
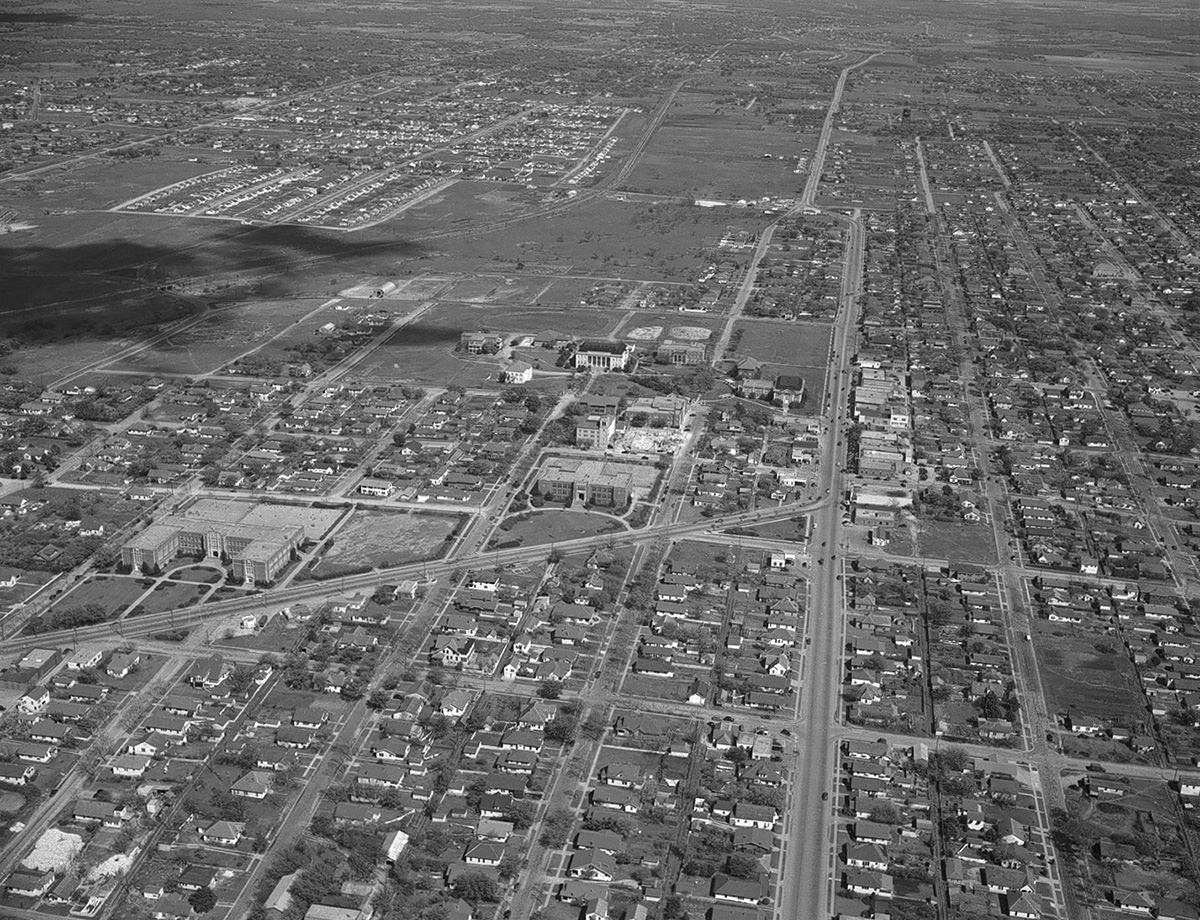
<point x="673" y="908"/>
<point x="520" y="812"/>
<point x="556" y="827"/>
<point x="377" y="700"/>
<point x="549" y="689"/>
<point x="561" y="730"/>
<point x="475" y="887"/>
<point x="741" y="865"/>
<point x="989" y="706"/>
<point x="241" y="679"/>
<point x="202" y="900"/>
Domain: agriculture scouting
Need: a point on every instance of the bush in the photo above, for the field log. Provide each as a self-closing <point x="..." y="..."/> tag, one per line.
<point x="475" y="887"/>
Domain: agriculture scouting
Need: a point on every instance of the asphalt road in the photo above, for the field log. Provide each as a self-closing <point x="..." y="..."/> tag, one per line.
<point x="805" y="868"/>
<point x="271" y="601"/>
<point x="804" y="880"/>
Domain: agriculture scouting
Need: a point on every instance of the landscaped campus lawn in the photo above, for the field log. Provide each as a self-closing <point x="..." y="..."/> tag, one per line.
<point x="552" y="526"/>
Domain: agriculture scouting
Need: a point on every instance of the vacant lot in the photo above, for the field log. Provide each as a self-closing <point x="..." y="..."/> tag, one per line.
<point x="385" y="538"/>
<point x="958" y="542"/>
<point x="674" y="689"/>
<point x="793" y="529"/>
<point x="1087" y="674"/>
<point x="697" y="154"/>
<point x="225" y="334"/>
<point x="272" y="637"/>
<point x="794" y="344"/>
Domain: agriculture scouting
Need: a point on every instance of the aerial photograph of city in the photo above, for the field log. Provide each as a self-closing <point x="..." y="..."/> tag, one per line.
<point x="600" y="460"/>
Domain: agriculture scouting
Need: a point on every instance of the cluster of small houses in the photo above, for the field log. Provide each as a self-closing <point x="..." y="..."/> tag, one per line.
<point x="888" y="654"/>
<point x="1115" y="545"/>
<point x="622" y="787"/>
<point x="995" y="864"/>
<point x="803" y="276"/>
<point x="908" y="399"/>
<point x="56" y="710"/>
<point x="1114" y="856"/>
<point x="503" y="766"/>
<point x="759" y="644"/>
<point x="38" y="432"/>
<point x="1153" y="626"/>
<point x="141" y="779"/>
<point x="1139" y="354"/>
<point x="517" y="625"/>
<point x="978" y="669"/>
<point x="454" y="452"/>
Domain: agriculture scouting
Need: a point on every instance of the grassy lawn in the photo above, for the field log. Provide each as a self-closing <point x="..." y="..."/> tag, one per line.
<point x="201" y="573"/>
<point x="167" y="596"/>
<point x="539" y="527"/>
<point x="114" y="594"/>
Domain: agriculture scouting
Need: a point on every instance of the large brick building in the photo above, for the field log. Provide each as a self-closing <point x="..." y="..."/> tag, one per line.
<point x="591" y="481"/>
<point x="601" y="355"/>
<point x="256" y="552"/>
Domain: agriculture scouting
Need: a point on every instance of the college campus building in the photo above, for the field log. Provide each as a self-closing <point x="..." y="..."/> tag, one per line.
<point x="595" y="431"/>
<point x="256" y="552"/>
<point x="603" y="356"/>
<point x="595" y="482"/>
<point x="480" y="343"/>
<point x="684" y="353"/>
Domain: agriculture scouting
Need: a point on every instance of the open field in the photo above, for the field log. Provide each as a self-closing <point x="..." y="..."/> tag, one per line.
<point x="705" y="149"/>
<point x="607" y="239"/>
<point x="222" y="336"/>
<point x="385" y="538"/>
<point x="1086" y="675"/>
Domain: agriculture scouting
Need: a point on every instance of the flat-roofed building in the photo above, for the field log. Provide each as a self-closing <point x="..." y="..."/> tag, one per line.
<point x="594" y="482"/>
<point x="595" y="431"/>
<point x="258" y="552"/>
<point x="601" y="355"/>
